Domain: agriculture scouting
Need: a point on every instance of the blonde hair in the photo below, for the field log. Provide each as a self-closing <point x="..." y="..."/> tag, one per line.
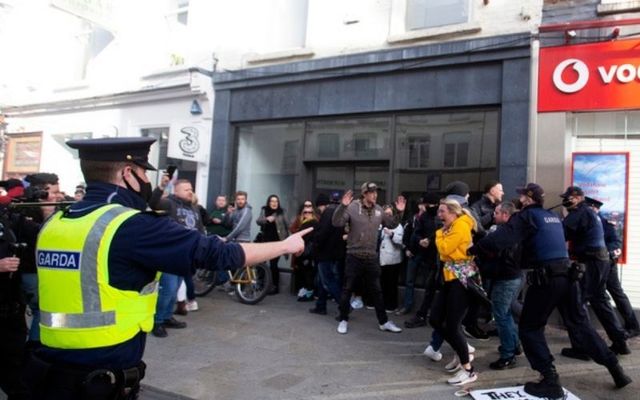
<point x="455" y="208"/>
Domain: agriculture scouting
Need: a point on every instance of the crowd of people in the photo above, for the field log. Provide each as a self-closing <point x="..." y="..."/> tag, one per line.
<point x="491" y="268"/>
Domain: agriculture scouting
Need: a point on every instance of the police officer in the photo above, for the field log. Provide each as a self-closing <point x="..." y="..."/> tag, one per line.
<point x="585" y="234"/>
<point x="614" y="244"/>
<point x="99" y="263"/>
<point x="543" y="244"/>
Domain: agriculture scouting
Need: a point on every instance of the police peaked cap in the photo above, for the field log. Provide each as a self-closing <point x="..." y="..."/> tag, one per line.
<point x="126" y="149"/>
<point x="572" y="191"/>
<point x="593" y="202"/>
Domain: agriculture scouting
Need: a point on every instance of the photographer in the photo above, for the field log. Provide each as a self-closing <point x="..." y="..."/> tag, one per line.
<point x="13" y="329"/>
<point x="42" y="187"/>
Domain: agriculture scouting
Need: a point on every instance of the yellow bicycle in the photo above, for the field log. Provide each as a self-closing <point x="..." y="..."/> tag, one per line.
<point x="250" y="283"/>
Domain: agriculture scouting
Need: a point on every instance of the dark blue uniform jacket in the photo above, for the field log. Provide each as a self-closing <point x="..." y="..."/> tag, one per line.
<point x="539" y="231"/>
<point x="143" y="245"/>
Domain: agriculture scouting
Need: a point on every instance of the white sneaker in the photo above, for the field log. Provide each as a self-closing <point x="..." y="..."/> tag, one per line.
<point x="192" y="305"/>
<point x="391" y="327"/>
<point x="463" y="377"/>
<point x="302" y="292"/>
<point x="434" y="355"/>
<point x="471" y="348"/>
<point x="455" y="365"/>
<point x="356" y="303"/>
<point x="342" y="327"/>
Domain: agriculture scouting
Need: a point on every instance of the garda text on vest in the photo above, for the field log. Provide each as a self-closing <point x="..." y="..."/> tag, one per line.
<point x="58" y="259"/>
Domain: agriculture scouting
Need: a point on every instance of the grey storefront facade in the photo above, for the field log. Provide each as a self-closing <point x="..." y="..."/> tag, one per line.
<point x="411" y="119"/>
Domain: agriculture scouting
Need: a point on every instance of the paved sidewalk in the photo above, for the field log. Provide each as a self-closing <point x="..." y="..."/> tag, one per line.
<point x="277" y="350"/>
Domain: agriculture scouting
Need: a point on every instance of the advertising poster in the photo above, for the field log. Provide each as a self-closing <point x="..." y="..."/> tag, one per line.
<point x="604" y="177"/>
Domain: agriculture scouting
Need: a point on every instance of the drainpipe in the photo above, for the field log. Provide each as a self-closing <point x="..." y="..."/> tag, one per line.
<point x="532" y="146"/>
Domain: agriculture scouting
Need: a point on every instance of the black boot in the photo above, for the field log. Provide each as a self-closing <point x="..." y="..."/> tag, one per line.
<point x="549" y="387"/>
<point x="620" y="348"/>
<point x="619" y="377"/>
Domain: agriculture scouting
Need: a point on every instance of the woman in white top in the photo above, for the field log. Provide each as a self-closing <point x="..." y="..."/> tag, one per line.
<point x="391" y="249"/>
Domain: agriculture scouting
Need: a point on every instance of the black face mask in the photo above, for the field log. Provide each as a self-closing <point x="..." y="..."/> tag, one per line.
<point x="145" y="187"/>
<point x="432" y="210"/>
<point x="567" y="203"/>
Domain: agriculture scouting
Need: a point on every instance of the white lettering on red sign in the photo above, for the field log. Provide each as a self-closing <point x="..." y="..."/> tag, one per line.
<point x="624" y="73"/>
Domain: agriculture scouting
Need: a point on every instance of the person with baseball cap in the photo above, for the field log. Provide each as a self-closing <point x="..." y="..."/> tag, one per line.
<point x="553" y="285"/>
<point x="364" y="217"/>
<point x="585" y="234"/>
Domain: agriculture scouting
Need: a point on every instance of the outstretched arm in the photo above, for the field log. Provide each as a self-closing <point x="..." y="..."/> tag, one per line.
<point x="255" y="253"/>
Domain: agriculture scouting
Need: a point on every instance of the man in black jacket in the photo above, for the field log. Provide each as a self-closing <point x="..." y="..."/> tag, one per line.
<point x="329" y="248"/>
<point x="484" y="207"/>
<point x="422" y="244"/>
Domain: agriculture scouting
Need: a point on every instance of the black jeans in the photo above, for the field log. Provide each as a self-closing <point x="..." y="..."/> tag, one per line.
<point x="619" y="297"/>
<point x="13" y="333"/>
<point x="389" y="284"/>
<point x="539" y="303"/>
<point x="369" y="269"/>
<point x="275" y="272"/>
<point x="450" y="305"/>
<point x="430" y="289"/>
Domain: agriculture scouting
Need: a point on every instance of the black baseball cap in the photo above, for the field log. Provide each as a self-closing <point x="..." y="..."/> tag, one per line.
<point x="126" y="149"/>
<point x="532" y="190"/>
<point x="368" y="187"/>
<point x="430" y="198"/>
<point x="572" y="191"/>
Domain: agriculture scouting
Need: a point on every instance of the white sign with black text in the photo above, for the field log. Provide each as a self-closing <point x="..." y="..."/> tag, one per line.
<point x="189" y="140"/>
<point x="514" y="392"/>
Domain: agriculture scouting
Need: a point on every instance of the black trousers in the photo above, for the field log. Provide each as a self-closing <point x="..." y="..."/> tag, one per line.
<point x="49" y="381"/>
<point x="389" y="284"/>
<point x="594" y="286"/>
<point x="629" y="319"/>
<point x="450" y="305"/>
<point x="369" y="269"/>
<point x="275" y="272"/>
<point x="540" y="301"/>
<point x="13" y="334"/>
<point x="430" y="288"/>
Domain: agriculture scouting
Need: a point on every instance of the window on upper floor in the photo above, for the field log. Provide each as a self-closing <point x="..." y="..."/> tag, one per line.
<point x="178" y="12"/>
<point x="423" y="14"/>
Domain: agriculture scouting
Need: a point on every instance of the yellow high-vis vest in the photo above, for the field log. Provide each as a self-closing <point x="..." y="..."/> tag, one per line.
<point x="78" y="307"/>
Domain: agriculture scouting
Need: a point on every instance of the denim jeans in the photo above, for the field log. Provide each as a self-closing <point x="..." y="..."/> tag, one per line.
<point x="502" y="295"/>
<point x="166" y="297"/>
<point x="30" y="288"/>
<point x="329" y="282"/>
<point x="413" y="264"/>
<point x="436" y="340"/>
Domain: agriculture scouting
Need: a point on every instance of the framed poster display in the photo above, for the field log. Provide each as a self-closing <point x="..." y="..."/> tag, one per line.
<point x="605" y="177"/>
<point x="23" y="154"/>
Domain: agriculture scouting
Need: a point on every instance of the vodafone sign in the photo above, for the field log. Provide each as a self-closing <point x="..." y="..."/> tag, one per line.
<point x="596" y="76"/>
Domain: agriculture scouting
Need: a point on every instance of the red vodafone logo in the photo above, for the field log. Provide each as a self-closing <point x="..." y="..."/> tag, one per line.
<point x="590" y="77"/>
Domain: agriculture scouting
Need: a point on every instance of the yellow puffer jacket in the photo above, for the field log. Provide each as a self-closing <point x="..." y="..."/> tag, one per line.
<point x="452" y="245"/>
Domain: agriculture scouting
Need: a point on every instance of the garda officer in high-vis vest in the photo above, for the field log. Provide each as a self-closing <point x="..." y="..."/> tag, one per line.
<point x="98" y="268"/>
<point x="553" y="284"/>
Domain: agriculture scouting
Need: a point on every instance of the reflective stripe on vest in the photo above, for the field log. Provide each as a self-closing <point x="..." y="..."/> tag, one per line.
<point x="92" y="316"/>
<point x="79" y="308"/>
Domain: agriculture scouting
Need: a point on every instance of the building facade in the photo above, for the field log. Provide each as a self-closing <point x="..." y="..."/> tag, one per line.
<point x="587" y="130"/>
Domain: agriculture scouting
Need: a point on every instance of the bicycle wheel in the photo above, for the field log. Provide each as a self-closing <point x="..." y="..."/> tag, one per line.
<point x="203" y="281"/>
<point x="253" y="292"/>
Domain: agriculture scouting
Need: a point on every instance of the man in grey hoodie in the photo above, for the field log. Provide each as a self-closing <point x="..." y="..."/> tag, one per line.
<point x="240" y="220"/>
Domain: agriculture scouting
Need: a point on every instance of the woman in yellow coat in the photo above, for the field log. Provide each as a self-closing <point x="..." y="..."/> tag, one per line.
<point x="452" y="301"/>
